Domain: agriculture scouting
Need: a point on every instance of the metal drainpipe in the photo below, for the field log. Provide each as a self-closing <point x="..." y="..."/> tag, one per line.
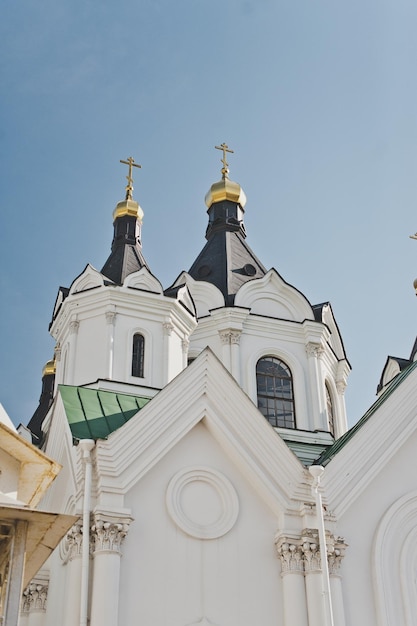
<point x="317" y="471"/>
<point x="86" y="446"/>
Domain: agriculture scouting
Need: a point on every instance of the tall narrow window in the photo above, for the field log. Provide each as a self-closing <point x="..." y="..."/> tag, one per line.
<point x="138" y="354"/>
<point x="275" y="392"/>
<point x="329" y="408"/>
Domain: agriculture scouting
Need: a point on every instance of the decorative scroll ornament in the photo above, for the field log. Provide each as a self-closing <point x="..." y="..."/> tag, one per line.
<point x="72" y="544"/>
<point x="168" y="328"/>
<point x="341" y="386"/>
<point x="110" y="317"/>
<point x="74" y="326"/>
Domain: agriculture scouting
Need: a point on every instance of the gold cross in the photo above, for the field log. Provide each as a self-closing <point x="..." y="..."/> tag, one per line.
<point x="129" y="187"/>
<point x="225" y="148"/>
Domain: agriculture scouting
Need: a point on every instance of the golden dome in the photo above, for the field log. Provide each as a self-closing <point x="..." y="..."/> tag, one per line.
<point x="49" y="368"/>
<point x="225" y="189"/>
<point x="128" y="207"/>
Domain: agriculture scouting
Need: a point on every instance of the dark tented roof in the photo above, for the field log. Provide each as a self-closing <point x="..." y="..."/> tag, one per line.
<point x="227" y="262"/>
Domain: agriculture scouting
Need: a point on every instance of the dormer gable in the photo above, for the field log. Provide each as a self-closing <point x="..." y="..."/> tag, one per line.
<point x="143" y="279"/>
<point x="90" y="278"/>
<point x="273" y="297"/>
<point x="205" y="295"/>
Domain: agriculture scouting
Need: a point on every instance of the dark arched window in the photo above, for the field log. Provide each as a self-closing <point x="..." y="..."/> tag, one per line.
<point x="138" y="353"/>
<point x="275" y="392"/>
<point x="329" y="409"/>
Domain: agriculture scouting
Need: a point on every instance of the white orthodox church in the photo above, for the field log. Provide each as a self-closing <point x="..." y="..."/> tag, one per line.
<point x="186" y="420"/>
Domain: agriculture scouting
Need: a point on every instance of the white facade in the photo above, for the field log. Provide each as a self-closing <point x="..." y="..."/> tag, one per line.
<point x="202" y="512"/>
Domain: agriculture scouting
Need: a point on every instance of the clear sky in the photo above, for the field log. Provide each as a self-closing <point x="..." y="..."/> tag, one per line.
<point x="318" y="99"/>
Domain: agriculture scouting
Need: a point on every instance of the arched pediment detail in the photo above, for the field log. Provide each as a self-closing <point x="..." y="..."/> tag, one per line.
<point x="394" y="562"/>
<point x="273" y="297"/>
<point x="90" y="278"/>
<point x="143" y="279"/>
<point x="205" y="295"/>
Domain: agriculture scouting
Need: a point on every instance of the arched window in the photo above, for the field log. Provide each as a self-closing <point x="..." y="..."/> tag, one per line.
<point x="138" y="353"/>
<point x="330" y="410"/>
<point x="275" y="392"/>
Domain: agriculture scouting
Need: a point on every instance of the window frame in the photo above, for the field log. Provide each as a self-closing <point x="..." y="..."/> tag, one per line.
<point x="138" y="360"/>
<point x="278" y="394"/>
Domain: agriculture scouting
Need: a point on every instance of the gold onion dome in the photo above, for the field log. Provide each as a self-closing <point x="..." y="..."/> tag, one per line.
<point x="49" y="368"/>
<point x="225" y="189"/>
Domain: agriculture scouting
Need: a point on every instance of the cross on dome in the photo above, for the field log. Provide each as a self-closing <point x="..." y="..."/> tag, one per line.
<point x="129" y="187"/>
<point x="225" y="148"/>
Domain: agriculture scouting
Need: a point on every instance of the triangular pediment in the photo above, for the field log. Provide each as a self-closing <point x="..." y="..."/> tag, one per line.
<point x="204" y="392"/>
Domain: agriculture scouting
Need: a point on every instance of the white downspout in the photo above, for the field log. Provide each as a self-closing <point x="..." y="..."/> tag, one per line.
<point x="86" y="446"/>
<point x="317" y="471"/>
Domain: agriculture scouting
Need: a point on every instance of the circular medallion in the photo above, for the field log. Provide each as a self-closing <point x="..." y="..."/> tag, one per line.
<point x="202" y="502"/>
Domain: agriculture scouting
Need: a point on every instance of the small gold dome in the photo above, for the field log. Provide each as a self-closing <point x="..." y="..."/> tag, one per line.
<point x="49" y="368"/>
<point x="128" y="207"/>
<point x="225" y="189"/>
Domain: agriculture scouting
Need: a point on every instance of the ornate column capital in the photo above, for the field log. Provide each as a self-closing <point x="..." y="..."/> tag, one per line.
<point x="110" y="317"/>
<point x="72" y="544"/>
<point x="108" y="533"/>
<point x="74" y="326"/>
<point x="168" y="328"/>
<point x="35" y="596"/>
<point x="341" y="386"/>
<point x="229" y="336"/>
<point x="335" y="553"/>
<point x="57" y="352"/>
<point x="291" y="555"/>
<point x="185" y="344"/>
<point x="311" y="550"/>
<point x="314" y="350"/>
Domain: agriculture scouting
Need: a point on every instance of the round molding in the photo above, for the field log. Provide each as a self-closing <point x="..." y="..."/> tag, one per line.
<point x="202" y="502"/>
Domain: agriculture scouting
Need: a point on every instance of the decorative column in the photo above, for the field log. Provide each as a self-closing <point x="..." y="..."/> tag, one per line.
<point x="73" y="547"/>
<point x="230" y="339"/>
<point x="313" y="578"/>
<point x="185" y="344"/>
<point x="74" y="326"/>
<point x="34" y="603"/>
<point x="341" y="386"/>
<point x="336" y="551"/>
<point x="292" y="572"/>
<point x="318" y="404"/>
<point x="108" y="533"/>
<point x="168" y="327"/>
<point x="110" y="320"/>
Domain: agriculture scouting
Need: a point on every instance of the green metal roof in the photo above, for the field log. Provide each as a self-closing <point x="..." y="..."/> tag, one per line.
<point x="342" y="441"/>
<point x="94" y="414"/>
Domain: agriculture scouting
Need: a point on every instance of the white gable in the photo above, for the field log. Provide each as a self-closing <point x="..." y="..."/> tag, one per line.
<point x="273" y="297"/>
<point x="88" y="279"/>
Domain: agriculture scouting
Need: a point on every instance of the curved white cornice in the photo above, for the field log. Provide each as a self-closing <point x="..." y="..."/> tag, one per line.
<point x="205" y="295"/>
<point x="88" y="279"/>
<point x="143" y="279"/>
<point x="272" y="296"/>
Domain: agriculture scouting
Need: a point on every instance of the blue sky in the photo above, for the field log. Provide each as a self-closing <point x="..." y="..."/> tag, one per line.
<point x="317" y="98"/>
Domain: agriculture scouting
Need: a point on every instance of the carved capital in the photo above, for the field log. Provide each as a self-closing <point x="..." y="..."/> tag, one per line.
<point x="341" y="386"/>
<point x="228" y="337"/>
<point x="110" y="317"/>
<point x="35" y="596"/>
<point x="185" y="345"/>
<point x="57" y="352"/>
<point x="314" y="350"/>
<point x="291" y="556"/>
<point x="311" y="551"/>
<point x="335" y="553"/>
<point x="74" y="326"/>
<point x="108" y="535"/>
<point x="73" y="541"/>
<point x="168" y="328"/>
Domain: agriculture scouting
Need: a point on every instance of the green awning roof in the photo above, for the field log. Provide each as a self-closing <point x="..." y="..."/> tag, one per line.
<point x="94" y="414"/>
